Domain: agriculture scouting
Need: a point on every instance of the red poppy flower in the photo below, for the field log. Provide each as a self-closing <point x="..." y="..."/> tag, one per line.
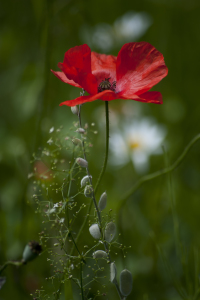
<point x="130" y="75"/>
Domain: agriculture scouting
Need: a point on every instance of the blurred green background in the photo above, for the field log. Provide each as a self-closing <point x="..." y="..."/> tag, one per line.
<point x="34" y="35"/>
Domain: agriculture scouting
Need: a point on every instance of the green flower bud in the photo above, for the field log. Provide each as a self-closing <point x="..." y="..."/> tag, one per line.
<point x="95" y="231"/>
<point x="80" y="130"/>
<point x="100" y="254"/>
<point x="110" y="232"/>
<point x="31" y="251"/>
<point x="2" y="281"/>
<point x="82" y="162"/>
<point x="85" y="180"/>
<point x="88" y="191"/>
<point x="102" y="201"/>
<point x="76" y="142"/>
<point x="113" y="272"/>
<point x="74" y="110"/>
<point x="126" y="282"/>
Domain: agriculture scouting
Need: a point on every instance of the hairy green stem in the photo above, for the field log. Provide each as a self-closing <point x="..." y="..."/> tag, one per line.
<point x="107" y="147"/>
<point x="93" y="193"/>
<point x="161" y="172"/>
<point x="102" y="171"/>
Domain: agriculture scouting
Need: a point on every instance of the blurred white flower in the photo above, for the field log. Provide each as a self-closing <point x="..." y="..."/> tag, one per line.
<point x="137" y="141"/>
<point x="132" y="25"/>
<point x="127" y="28"/>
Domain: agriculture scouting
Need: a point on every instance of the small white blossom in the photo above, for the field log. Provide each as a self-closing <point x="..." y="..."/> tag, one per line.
<point x="137" y="141"/>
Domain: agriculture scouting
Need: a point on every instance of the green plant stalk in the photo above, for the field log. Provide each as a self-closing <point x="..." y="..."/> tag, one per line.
<point x="69" y="190"/>
<point x="93" y="192"/>
<point x="161" y="172"/>
<point x="107" y="147"/>
<point x="102" y="171"/>
<point x="172" y="203"/>
<point x="81" y="275"/>
<point x="14" y="263"/>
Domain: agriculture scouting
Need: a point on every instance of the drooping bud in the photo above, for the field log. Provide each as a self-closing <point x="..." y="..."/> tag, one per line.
<point x="82" y="162"/>
<point x="100" y="254"/>
<point x="31" y="251"/>
<point x="126" y="282"/>
<point x="76" y="142"/>
<point x="95" y="231"/>
<point x="110" y="232"/>
<point x="113" y="272"/>
<point x="85" y="180"/>
<point x="74" y="110"/>
<point x="2" y="281"/>
<point x="102" y="201"/>
<point x="88" y="191"/>
<point x="80" y="130"/>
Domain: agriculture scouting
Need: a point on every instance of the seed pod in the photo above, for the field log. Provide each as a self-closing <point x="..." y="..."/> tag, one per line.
<point x="80" y="130"/>
<point x="85" y="180"/>
<point x="88" y="191"/>
<point x="76" y="142"/>
<point x="74" y="110"/>
<point x="82" y="162"/>
<point x="95" y="231"/>
<point x="31" y="251"/>
<point x="113" y="272"/>
<point x="2" y="281"/>
<point x="100" y="254"/>
<point x="110" y="232"/>
<point x="126" y="282"/>
<point x="102" y="201"/>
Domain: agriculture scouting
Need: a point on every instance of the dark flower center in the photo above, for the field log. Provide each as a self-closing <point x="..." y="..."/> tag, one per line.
<point x="106" y="85"/>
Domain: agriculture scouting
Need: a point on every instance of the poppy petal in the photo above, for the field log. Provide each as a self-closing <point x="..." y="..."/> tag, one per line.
<point x="148" y="97"/>
<point x="139" y="67"/>
<point x="77" y="67"/>
<point x="64" y="78"/>
<point x="105" y="96"/>
<point x="103" y="66"/>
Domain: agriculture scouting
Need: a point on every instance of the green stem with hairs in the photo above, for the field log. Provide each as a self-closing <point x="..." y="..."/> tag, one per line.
<point x="107" y="147"/>
<point x="102" y="171"/>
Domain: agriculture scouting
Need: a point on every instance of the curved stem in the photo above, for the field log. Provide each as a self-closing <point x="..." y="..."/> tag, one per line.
<point x="14" y="263"/>
<point x="161" y="172"/>
<point x="107" y="147"/>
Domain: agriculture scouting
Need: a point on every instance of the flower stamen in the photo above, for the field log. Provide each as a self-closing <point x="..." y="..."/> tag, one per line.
<point x="106" y="85"/>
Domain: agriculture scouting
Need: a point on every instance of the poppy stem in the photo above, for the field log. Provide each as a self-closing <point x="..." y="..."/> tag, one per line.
<point x="107" y="147"/>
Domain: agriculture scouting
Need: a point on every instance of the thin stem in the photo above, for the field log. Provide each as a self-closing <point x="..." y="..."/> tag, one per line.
<point x="107" y="147"/>
<point x="102" y="171"/>
<point x="161" y="172"/>
<point x="88" y="173"/>
<point x="69" y="190"/>
<point x="90" y="177"/>
<point x="70" y="235"/>
<point x="14" y="263"/>
<point x="93" y="193"/>
<point x="81" y="275"/>
<point x="4" y="267"/>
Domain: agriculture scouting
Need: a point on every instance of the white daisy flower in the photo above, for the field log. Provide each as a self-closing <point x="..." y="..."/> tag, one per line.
<point x="137" y="141"/>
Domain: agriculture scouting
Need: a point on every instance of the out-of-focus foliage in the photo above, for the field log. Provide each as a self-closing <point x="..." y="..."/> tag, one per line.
<point x="34" y="37"/>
